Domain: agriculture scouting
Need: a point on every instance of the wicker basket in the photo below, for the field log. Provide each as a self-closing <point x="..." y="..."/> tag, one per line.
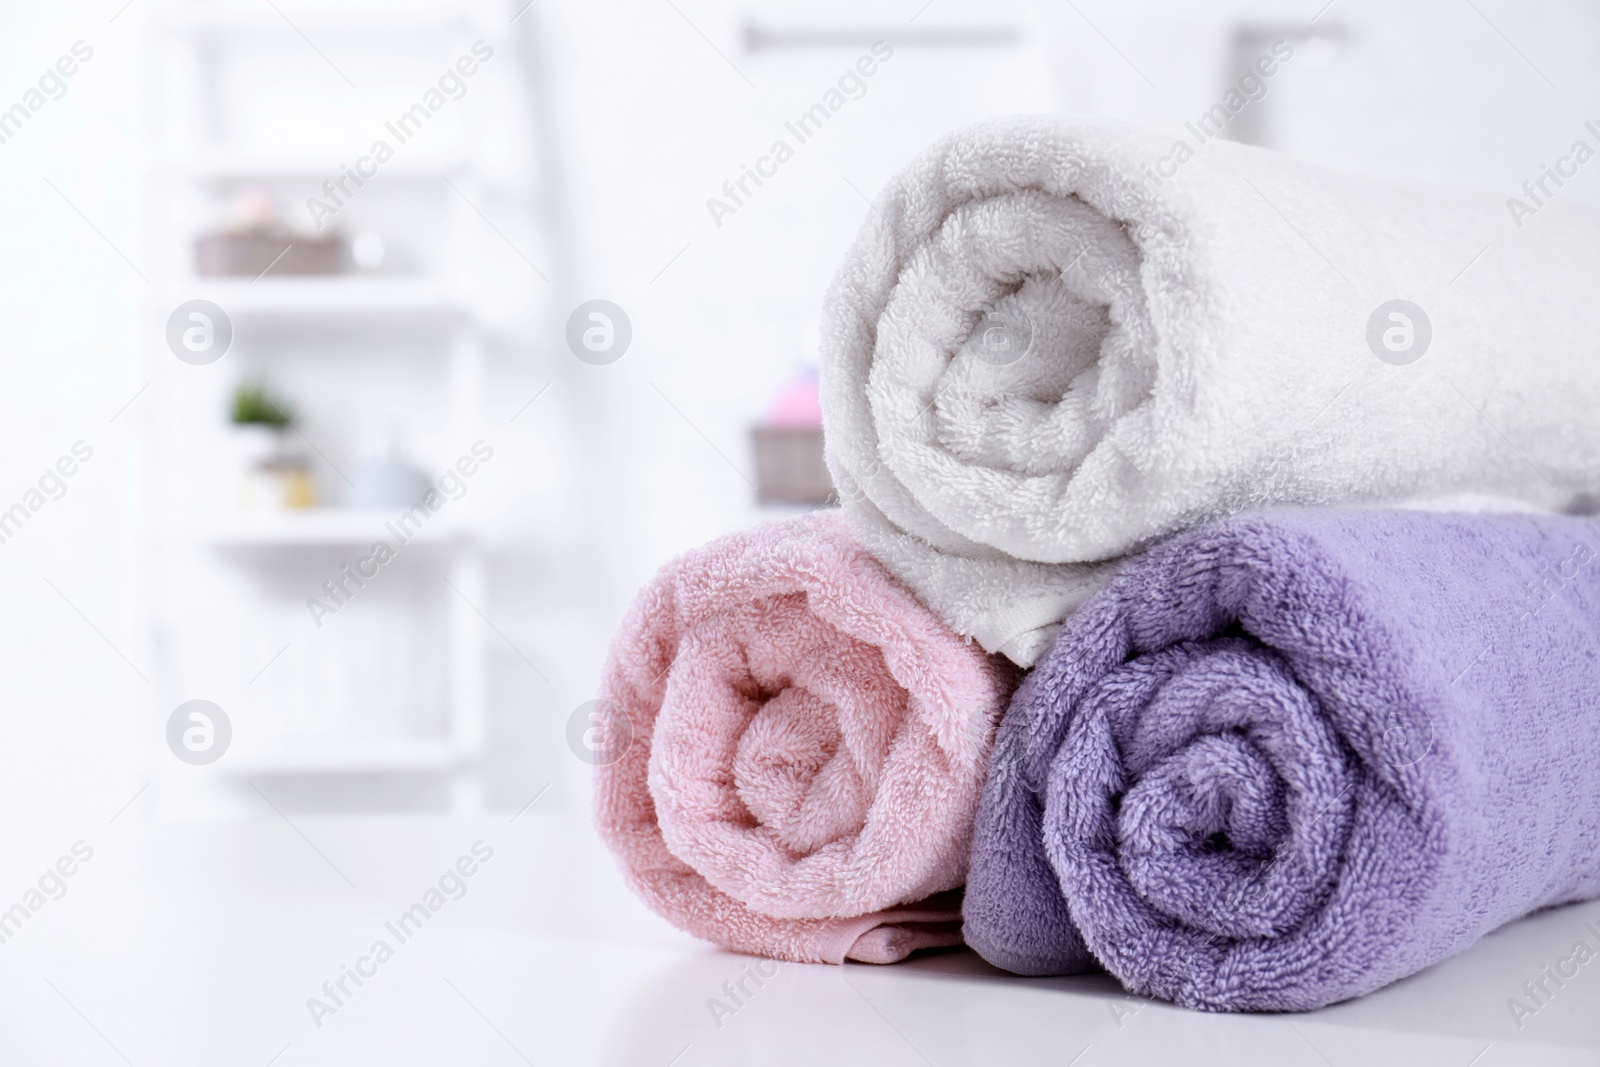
<point x="249" y="254"/>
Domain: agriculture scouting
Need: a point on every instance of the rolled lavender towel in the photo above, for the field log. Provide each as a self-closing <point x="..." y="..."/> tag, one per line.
<point x="793" y="748"/>
<point x="1057" y="340"/>
<point x="1286" y="759"/>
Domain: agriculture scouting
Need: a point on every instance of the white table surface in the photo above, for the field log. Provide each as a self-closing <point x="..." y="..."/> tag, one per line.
<point x="194" y="944"/>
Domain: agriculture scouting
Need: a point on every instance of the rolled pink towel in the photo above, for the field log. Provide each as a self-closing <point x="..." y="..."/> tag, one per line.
<point x="802" y="749"/>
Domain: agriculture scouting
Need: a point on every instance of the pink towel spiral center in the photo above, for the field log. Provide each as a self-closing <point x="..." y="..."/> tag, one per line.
<point x="804" y="716"/>
<point x="795" y="776"/>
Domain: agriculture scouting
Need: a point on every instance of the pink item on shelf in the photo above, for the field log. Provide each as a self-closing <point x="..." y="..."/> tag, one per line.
<point x="803" y="744"/>
<point x="798" y="403"/>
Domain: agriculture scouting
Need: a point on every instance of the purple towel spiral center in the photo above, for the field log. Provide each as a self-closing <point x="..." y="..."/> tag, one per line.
<point x="1203" y="776"/>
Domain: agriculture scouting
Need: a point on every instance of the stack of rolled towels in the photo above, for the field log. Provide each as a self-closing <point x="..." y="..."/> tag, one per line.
<point x="1214" y="602"/>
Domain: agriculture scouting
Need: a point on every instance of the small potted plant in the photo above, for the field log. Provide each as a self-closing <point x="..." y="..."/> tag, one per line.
<point x="274" y="477"/>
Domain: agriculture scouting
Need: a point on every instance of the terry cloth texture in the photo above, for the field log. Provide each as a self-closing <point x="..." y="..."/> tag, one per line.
<point x="1289" y="758"/>
<point x="1054" y="343"/>
<point x="794" y="748"/>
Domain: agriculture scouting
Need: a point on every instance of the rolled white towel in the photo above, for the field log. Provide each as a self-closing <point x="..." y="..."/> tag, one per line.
<point x="1058" y="340"/>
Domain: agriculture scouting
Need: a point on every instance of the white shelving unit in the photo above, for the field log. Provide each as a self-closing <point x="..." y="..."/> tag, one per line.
<point x="425" y="316"/>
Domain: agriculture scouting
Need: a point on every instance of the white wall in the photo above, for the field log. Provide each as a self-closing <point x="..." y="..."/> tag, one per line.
<point x="69" y="303"/>
<point x="650" y="121"/>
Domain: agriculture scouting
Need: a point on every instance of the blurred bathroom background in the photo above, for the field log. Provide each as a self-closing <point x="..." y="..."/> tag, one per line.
<point x="244" y="343"/>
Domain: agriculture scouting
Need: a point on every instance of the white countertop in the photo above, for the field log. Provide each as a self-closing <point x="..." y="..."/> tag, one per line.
<point x="181" y="945"/>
